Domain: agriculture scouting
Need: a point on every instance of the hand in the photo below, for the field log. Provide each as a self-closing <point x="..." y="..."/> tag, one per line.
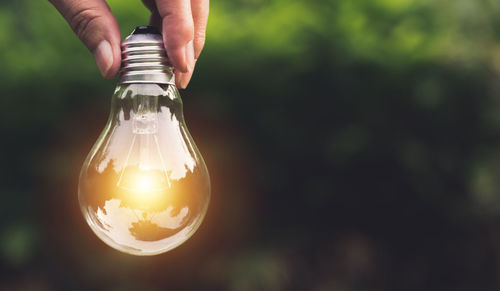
<point x="183" y="23"/>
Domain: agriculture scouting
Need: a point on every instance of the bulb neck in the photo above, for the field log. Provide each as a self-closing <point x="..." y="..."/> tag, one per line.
<point x="144" y="59"/>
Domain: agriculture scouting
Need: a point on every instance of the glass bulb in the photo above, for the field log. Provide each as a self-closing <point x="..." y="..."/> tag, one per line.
<point x="144" y="188"/>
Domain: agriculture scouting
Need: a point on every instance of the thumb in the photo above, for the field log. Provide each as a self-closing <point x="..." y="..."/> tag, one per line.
<point x="97" y="28"/>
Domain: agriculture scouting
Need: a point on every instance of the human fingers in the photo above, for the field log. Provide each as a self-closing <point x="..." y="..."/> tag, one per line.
<point x="97" y="28"/>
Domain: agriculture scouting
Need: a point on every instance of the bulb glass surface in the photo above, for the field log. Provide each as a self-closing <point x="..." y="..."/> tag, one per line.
<point x="144" y="187"/>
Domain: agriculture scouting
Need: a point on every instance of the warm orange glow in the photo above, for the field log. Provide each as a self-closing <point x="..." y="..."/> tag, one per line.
<point x="144" y="182"/>
<point x="144" y="188"/>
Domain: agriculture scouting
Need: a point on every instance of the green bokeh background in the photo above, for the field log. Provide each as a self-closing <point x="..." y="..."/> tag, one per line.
<point x="352" y="145"/>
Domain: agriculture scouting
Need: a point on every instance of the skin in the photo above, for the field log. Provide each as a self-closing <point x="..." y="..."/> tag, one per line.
<point x="182" y="22"/>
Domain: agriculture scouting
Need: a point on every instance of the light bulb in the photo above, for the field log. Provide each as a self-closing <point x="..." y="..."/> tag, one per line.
<point x="144" y="187"/>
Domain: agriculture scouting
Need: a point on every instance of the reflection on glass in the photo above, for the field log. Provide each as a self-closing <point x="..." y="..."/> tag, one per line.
<point x="144" y="188"/>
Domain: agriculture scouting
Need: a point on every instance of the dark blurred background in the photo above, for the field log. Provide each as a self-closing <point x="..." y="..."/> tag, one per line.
<point x="352" y="145"/>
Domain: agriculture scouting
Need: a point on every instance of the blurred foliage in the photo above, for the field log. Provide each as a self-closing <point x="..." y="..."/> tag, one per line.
<point x="353" y="145"/>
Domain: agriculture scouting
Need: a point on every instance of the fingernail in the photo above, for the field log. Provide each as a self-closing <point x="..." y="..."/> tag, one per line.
<point x="190" y="56"/>
<point x="103" y="57"/>
<point x="186" y="77"/>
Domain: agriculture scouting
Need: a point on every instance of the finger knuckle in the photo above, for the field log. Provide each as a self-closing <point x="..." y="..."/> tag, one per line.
<point x="183" y="23"/>
<point x="200" y="35"/>
<point x="186" y="29"/>
<point x="82" y="20"/>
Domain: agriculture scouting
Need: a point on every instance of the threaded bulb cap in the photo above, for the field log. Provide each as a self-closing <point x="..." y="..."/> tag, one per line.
<point x="144" y="59"/>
